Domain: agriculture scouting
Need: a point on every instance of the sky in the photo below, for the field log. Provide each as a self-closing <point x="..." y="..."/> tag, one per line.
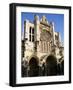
<point x="58" y="20"/>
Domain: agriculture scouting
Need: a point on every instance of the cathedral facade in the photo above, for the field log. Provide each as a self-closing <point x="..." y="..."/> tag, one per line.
<point x="40" y="41"/>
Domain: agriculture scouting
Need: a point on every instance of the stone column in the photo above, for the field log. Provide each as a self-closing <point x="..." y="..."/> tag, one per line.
<point x="53" y="31"/>
<point x="37" y="31"/>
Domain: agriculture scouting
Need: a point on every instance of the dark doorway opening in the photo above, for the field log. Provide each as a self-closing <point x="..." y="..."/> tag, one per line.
<point x="33" y="67"/>
<point x="51" y="65"/>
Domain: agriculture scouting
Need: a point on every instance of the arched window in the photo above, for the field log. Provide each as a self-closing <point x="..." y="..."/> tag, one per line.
<point x="31" y="34"/>
<point x="56" y="37"/>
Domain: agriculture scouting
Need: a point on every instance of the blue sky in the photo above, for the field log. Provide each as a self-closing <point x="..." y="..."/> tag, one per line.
<point x="58" y="19"/>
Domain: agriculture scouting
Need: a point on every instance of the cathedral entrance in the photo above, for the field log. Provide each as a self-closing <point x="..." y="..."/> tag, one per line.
<point x="33" y="67"/>
<point x="51" y="65"/>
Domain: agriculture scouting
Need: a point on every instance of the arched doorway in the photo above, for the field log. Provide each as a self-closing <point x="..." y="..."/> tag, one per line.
<point x="51" y="65"/>
<point x="33" y="67"/>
